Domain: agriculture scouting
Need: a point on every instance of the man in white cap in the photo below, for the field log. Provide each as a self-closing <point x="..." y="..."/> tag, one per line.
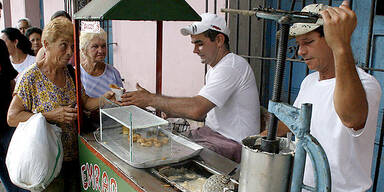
<point x="229" y="101"/>
<point x="345" y="98"/>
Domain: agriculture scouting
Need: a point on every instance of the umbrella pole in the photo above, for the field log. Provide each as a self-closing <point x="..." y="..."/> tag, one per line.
<point x="159" y="58"/>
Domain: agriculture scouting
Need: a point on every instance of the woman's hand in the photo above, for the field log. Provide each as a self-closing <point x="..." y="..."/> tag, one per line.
<point x="62" y="114"/>
<point x="110" y="95"/>
<point x="93" y="103"/>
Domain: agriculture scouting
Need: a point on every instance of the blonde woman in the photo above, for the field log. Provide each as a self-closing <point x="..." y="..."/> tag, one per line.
<point x="47" y="87"/>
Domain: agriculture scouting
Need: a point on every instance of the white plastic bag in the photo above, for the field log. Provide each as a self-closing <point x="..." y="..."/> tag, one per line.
<point x="35" y="154"/>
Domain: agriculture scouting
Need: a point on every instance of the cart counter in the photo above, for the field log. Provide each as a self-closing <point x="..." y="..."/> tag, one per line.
<point x="102" y="171"/>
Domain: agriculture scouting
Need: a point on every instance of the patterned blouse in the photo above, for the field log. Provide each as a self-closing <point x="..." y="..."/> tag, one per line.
<point x="39" y="94"/>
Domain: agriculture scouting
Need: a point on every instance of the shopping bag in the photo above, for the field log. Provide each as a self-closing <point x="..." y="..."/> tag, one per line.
<point x="35" y="154"/>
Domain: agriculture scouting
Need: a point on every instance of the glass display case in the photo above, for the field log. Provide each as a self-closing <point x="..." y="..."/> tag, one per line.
<point x="139" y="137"/>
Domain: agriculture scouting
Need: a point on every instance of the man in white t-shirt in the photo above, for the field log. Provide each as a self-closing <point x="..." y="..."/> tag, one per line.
<point x="345" y="99"/>
<point x="229" y="101"/>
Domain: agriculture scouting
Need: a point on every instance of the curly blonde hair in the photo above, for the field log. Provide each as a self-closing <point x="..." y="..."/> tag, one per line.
<point x="59" y="27"/>
<point x="87" y="37"/>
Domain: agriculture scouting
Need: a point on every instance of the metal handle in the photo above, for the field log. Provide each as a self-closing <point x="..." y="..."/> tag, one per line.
<point x="298" y="121"/>
<point x="240" y="12"/>
<point x="320" y="166"/>
<point x="277" y="15"/>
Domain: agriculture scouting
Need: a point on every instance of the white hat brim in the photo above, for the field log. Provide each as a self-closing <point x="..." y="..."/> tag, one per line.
<point x="194" y="29"/>
<point x="302" y="28"/>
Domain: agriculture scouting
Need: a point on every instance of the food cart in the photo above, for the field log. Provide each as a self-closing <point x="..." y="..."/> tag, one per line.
<point x="110" y="159"/>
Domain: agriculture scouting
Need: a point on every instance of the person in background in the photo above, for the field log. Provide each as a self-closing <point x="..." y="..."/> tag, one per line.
<point x="96" y="75"/>
<point x="34" y="36"/>
<point x="229" y="101"/>
<point x="48" y="87"/>
<point x="19" y="47"/>
<point x="345" y="98"/>
<point x="61" y="13"/>
<point x="7" y="76"/>
<point x="23" y="24"/>
<point x="1" y="8"/>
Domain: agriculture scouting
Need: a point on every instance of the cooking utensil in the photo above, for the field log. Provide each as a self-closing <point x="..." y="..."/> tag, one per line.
<point x="220" y="183"/>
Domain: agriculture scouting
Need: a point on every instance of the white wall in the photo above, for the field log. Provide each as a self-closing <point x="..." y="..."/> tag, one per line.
<point x="17" y="11"/>
<point x="3" y="17"/>
<point x="135" y="55"/>
<point x="50" y="7"/>
<point x="13" y="10"/>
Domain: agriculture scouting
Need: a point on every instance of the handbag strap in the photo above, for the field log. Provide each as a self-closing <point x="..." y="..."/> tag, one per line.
<point x="71" y="71"/>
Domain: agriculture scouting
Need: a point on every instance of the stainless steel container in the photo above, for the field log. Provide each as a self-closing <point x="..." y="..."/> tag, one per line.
<point x="262" y="171"/>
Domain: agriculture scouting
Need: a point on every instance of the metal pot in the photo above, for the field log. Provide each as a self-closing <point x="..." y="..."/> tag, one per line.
<point x="262" y="171"/>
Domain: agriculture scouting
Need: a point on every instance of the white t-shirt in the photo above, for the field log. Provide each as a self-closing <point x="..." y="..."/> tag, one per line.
<point x="29" y="60"/>
<point x="231" y="86"/>
<point x="349" y="152"/>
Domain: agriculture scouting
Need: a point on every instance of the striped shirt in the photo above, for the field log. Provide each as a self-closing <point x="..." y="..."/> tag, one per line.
<point x="96" y="86"/>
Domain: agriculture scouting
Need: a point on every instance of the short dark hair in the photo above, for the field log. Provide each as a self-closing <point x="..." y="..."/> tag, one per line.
<point x="6" y="68"/>
<point x="320" y="30"/>
<point x="1" y="5"/>
<point x="32" y="30"/>
<point x="61" y="13"/>
<point x="211" y="34"/>
<point x="23" y="42"/>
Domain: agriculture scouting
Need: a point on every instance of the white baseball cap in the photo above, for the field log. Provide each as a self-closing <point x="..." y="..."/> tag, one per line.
<point x="303" y="28"/>
<point x="208" y="21"/>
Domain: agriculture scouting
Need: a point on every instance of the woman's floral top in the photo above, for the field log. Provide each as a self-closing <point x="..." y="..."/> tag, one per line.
<point x="39" y="94"/>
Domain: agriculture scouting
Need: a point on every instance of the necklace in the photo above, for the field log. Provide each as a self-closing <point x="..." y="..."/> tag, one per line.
<point x="18" y="59"/>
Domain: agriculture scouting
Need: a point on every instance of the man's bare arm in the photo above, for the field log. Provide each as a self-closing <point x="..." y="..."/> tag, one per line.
<point x="349" y="96"/>
<point x="194" y="108"/>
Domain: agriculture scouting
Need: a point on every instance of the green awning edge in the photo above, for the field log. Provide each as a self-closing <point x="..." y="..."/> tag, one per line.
<point x="145" y="10"/>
